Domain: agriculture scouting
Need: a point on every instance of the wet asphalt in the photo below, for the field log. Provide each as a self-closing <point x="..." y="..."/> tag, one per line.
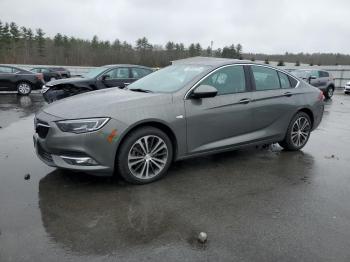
<point x="256" y="204"/>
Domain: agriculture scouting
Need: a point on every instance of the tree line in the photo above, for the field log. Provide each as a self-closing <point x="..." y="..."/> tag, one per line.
<point x="23" y="45"/>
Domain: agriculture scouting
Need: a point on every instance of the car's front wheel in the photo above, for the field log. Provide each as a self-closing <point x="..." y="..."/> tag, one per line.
<point x="298" y="132"/>
<point x="329" y="92"/>
<point x="24" y="88"/>
<point x="144" y="156"/>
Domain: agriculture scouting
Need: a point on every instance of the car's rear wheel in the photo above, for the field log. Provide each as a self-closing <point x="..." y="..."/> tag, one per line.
<point x="298" y="132"/>
<point x="329" y="92"/>
<point x="144" y="156"/>
<point x="24" y="88"/>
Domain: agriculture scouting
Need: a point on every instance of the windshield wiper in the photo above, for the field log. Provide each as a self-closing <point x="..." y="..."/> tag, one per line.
<point x="141" y="90"/>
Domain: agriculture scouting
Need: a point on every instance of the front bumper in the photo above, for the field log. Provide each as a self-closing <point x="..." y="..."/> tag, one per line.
<point x="92" y="152"/>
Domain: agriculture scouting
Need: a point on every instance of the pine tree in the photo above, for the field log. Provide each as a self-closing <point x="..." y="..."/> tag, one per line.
<point x="40" y="43"/>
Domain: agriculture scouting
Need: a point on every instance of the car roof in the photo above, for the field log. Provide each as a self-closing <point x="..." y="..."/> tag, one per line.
<point x="211" y="61"/>
<point x="15" y="67"/>
<point x="125" y="65"/>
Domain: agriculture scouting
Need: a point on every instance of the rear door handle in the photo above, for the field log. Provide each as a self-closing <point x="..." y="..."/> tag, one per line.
<point x="127" y="84"/>
<point x="288" y="94"/>
<point x="244" y="101"/>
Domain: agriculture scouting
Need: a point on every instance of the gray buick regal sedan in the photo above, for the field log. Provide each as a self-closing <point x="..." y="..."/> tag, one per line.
<point x="195" y="106"/>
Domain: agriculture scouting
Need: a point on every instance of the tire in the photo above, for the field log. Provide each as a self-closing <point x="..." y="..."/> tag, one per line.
<point x="329" y="92"/>
<point x="297" y="134"/>
<point x="138" y="165"/>
<point x="24" y="88"/>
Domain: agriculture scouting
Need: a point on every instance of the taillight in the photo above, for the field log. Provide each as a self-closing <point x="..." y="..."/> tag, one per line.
<point x="321" y="96"/>
<point x="39" y="76"/>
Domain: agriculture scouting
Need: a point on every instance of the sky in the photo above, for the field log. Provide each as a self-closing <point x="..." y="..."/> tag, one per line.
<point x="261" y="26"/>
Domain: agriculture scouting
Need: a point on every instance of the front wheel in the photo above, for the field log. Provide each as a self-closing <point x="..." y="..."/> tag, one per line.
<point x="144" y="156"/>
<point x="298" y="132"/>
<point x="329" y="92"/>
<point x="24" y="88"/>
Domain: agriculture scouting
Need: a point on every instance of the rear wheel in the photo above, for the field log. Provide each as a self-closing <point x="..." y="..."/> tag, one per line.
<point x="329" y="92"/>
<point x="298" y="132"/>
<point x="144" y="156"/>
<point x="24" y="88"/>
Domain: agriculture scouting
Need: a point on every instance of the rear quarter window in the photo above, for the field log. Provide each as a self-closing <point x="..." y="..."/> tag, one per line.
<point x="293" y="82"/>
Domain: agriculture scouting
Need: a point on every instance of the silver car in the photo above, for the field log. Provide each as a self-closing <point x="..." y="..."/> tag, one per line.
<point x="194" y="107"/>
<point x="317" y="78"/>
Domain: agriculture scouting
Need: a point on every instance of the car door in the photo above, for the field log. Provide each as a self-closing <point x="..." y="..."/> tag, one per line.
<point x="315" y="78"/>
<point x="7" y="78"/>
<point x="272" y="105"/>
<point x="324" y="79"/>
<point x="223" y="120"/>
<point x="117" y="77"/>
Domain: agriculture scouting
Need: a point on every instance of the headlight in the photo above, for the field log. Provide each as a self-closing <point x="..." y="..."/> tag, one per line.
<point x="79" y="126"/>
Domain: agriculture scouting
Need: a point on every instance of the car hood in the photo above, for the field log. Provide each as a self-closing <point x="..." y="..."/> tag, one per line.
<point x="106" y="102"/>
<point x="66" y="81"/>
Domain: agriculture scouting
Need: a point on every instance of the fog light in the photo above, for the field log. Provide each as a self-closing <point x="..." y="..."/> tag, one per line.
<point x="79" y="161"/>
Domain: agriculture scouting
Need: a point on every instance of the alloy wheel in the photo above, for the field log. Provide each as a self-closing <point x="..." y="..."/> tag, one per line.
<point x="330" y="92"/>
<point x="147" y="157"/>
<point x="24" y="88"/>
<point x="300" y="131"/>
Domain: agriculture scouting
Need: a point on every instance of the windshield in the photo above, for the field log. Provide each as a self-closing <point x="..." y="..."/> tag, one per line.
<point x="169" y="79"/>
<point x="94" y="72"/>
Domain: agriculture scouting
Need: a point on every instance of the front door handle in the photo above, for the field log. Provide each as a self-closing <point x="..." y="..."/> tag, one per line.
<point x="288" y="94"/>
<point x="244" y="101"/>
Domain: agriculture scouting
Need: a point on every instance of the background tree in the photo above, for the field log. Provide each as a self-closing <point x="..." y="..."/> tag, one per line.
<point x="40" y="44"/>
<point x="22" y="45"/>
<point x="280" y="63"/>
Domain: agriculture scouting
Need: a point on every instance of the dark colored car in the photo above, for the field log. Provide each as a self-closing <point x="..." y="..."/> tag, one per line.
<point x="317" y="78"/>
<point x="98" y="78"/>
<point x="20" y="80"/>
<point x="48" y="73"/>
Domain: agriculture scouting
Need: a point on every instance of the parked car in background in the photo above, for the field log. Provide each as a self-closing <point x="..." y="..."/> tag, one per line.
<point x="318" y="78"/>
<point x="98" y="78"/>
<point x="62" y="71"/>
<point x="48" y="73"/>
<point x="20" y="80"/>
<point x="347" y="88"/>
<point x="195" y="106"/>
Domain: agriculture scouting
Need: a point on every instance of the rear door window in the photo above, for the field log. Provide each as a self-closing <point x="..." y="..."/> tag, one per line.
<point x="119" y="73"/>
<point x="139" y="72"/>
<point x="265" y="78"/>
<point x="324" y="74"/>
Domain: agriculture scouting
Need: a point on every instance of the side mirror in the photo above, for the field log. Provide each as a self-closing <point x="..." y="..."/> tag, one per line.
<point x="311" y="78"/>
<point x="204" y="91"/>
<point x="105" y="77"/>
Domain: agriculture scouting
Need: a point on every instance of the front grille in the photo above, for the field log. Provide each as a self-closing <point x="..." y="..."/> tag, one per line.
<point x="45" y="155"/>
<point x="42" y="128"/>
